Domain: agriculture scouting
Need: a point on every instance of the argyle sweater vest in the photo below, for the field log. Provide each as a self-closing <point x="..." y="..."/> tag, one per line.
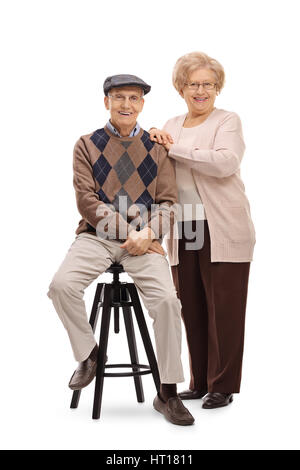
<point x="123" y="184"/>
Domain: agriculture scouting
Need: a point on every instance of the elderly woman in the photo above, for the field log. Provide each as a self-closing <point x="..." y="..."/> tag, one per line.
<point x="210" y="270"/>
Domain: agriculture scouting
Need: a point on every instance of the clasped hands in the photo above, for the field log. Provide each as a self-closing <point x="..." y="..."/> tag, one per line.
<point x="139" y="243"/>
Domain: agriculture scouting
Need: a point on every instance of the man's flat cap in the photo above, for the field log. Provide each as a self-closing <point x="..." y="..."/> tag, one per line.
<point x="124" y="80"/>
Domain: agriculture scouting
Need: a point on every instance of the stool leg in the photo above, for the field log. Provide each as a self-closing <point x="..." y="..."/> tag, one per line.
<point x="116" y="319"/>
<point x="116" y="296"/>
<point x="93" y="323"/>
<point x="105" y="321"/>
<point x="133" y="351"/>
<point x="144" y="333"/>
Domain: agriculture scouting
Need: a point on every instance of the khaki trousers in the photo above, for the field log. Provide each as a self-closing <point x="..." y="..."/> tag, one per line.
<point x="87" y="258"/>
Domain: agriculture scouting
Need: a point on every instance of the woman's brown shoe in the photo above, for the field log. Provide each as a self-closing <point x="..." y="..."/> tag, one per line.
<point x="216" y="400"/>
<point x="191" y="394"/>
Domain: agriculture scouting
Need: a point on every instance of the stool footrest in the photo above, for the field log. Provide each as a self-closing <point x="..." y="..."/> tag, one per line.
<point x="127" y="374"/>
<point x="124" y="303"/>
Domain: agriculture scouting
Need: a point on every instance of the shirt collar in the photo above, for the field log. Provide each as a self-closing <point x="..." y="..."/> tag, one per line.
<point x="134" y="131"/>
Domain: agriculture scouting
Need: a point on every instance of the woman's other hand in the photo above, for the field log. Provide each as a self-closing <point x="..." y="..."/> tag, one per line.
<point x="161" y="137"/>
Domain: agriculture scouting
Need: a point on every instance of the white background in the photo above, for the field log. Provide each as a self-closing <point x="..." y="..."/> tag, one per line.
<point x="55" y="56"/>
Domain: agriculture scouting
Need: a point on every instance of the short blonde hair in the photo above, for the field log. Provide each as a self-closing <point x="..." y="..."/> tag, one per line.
<point x="193" y="61"/>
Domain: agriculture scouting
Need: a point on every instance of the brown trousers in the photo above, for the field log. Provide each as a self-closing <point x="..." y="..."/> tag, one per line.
<point x="213" y="298"/>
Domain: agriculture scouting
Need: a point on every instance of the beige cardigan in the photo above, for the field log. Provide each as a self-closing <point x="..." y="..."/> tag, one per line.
<point x="214" y="157"/>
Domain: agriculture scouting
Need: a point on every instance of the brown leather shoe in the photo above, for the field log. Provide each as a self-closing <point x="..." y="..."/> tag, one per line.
<point x="174" y="411"/>
<point x="216" y="400"/>
<point x="85" y="372"/>
<point x="191" y="394"/>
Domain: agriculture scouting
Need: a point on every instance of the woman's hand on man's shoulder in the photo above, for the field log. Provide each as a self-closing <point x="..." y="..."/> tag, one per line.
<point x="161" y="137"/>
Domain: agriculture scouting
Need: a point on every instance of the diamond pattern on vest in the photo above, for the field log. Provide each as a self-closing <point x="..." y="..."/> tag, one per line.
<point x="124" y="206"/>
<point x="146" y="141"/>
<point x="124" y="168"/>
<point x="101" y="169"/>
<point x="145" y="199"/>
<point x="102" y="196"/>
<point x="100" y="139"/>
<point x="147" y="170"/>
<point x="126" y="144"/>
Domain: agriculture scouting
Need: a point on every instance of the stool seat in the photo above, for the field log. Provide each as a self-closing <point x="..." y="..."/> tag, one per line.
<point x="115" y="268"/>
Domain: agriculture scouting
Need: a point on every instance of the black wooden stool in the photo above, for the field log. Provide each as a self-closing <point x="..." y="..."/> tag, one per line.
<point x="119" y="294"/>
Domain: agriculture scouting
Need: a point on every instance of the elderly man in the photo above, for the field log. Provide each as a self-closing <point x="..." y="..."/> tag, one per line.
<point x="115" y="165"/>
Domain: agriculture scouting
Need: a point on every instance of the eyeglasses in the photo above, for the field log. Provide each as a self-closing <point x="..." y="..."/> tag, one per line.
<point x="206" y="85"/>
<point x="134" y="99"/>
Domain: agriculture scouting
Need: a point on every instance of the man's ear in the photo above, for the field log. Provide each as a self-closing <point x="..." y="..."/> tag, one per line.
<point x="106" y="102"/>
<point x="142" y="103"/>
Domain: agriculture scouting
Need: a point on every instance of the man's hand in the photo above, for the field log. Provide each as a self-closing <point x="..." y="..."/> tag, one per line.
<point x="156" y="247"/>
<point x="138" y="243"/>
